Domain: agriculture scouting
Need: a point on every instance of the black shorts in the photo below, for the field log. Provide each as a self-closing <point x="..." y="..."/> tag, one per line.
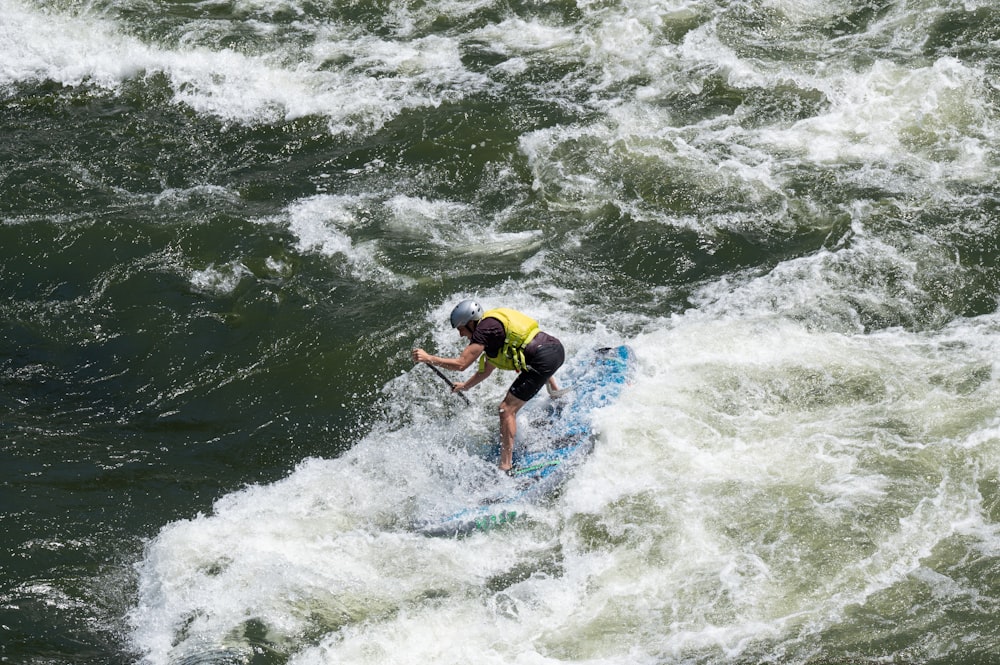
<point x="543" y="364"/>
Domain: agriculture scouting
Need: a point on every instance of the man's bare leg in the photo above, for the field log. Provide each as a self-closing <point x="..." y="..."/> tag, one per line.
<point x="508" y="429"/>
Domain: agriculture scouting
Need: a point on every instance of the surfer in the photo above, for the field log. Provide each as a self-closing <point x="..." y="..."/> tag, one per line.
<point x="505" y="339"/>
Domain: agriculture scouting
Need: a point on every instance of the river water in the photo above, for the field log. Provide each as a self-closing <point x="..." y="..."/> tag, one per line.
<point x="225" y="223"/>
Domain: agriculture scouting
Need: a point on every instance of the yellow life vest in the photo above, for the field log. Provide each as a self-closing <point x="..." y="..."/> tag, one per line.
<point x="520" y="329"/>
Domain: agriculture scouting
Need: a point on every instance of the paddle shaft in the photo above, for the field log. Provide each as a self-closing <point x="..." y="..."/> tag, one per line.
<point x="449" y="382"/>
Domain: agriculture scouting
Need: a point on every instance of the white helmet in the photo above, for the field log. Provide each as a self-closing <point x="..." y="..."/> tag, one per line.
<point x="465" y="311"/>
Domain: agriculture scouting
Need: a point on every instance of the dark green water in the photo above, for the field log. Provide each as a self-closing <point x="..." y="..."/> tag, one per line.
<point x="224" y="225"/>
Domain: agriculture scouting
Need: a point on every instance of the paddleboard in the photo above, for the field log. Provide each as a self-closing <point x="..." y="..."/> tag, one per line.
<point x="562" y="436"/>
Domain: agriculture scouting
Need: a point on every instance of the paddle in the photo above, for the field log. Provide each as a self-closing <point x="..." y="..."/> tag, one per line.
<point x="449" y="382"/>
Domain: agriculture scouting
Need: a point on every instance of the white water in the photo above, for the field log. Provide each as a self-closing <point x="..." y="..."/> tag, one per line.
<point x="385" y="78"/>
<point x="772" y="469"/>
<point x="756" y="482"/>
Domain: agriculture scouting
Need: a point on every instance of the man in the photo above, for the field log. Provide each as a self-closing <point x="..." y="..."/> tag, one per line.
<point x="505" y="339"/>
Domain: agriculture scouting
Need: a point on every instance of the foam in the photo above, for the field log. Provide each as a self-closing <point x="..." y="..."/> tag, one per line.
<point x="383" y="77"/>
<point x="777" y="462"/>
<point x="738" y="496"/>
<point x="324" y="223"/>
<point x="889" y="111"/>
<point x="219" y="280"/>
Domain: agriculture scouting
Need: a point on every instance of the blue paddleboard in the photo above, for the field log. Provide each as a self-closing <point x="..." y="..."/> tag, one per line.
<point x="564" y="436"/>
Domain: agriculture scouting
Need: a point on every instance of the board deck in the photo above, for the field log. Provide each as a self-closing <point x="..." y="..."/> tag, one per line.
<point x="564" y="437"/>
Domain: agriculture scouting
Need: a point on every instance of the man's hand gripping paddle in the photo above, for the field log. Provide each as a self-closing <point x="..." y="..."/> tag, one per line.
<point x="449" y="382"/>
